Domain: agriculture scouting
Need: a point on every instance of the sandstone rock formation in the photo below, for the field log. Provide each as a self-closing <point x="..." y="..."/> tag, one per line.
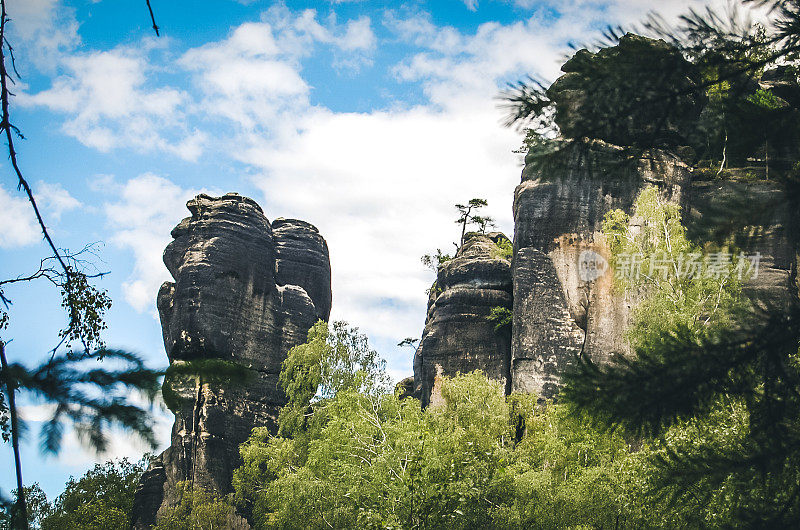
<point x="558" y="314"/>
<point x="766" y="227"/>
<point x="245" y="292"/>
<point x="610" y="108"/>
<point x="459" y="337"/>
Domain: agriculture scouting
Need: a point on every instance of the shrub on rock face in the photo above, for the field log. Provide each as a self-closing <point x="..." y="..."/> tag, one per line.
<point x="641" y="92"/>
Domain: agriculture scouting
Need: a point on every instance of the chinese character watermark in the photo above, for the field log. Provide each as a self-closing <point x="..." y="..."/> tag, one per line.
<point x="633" y="266"/>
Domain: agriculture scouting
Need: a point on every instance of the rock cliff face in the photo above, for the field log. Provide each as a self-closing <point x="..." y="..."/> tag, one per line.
<point x="560" y="312"/>
<point x="245" y="292"/>
<point x="769" y="231"/>
<point x="459" y="337"/>
<point x="563" y="306"/>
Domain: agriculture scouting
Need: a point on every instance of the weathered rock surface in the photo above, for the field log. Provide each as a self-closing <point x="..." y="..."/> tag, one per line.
<point x="244" y="292"/>
<point x="303" y="260"/>
<point x="768" y="230"/>
<point x="559" y="316"/>
<point x="458" y="336"/>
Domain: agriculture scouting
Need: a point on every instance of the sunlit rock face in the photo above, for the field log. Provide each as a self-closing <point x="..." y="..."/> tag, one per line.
<point x="245" y="292"/>
<point x="560" y="313"/>
<point x="459" y="336"/>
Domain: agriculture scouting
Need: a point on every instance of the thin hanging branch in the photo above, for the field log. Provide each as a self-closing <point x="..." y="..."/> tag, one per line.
<point x="10" y="130"/>
<point x="152" y="18"/>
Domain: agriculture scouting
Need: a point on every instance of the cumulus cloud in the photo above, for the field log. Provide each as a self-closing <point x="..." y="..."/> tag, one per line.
<point x="45" y="27"/>
<point x="253" y="77"/>
<point x="247" y="78"/>
<point x="380" y="185"/>
<point x="109" y="104"/>
<point x="381" y="189"/>
<point x="146" y="209"/>
<point x="16" y="218"/>
<point x="55" y="199"/>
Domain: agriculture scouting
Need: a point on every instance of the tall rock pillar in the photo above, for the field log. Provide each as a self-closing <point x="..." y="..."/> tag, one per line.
<point x="244" y="292"/>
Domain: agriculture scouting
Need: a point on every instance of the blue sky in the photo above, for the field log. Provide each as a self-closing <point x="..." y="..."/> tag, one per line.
<point x="368" y="119"/>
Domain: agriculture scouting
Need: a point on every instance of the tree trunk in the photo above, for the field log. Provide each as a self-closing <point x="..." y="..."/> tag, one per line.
<point x="19" y="517"/>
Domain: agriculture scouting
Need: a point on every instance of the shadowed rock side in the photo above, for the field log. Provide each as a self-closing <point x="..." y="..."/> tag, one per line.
<point x="303" y="260"/>
<point x="769" y="230"/>
<point x="458" y="336"/>
<point x="231" y="300"/>
<point x="557" y="315"/>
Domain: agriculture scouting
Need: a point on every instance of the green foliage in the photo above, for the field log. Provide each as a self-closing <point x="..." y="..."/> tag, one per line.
<point x="505" y="249"/>
<point x="92" y="399"/>
<point x="467" y="216"/>
<point x="38" y="508"/>
<point x="333" y="359"/>
<point x="477" y="460"/>
<point x="86" y="306"/>
<point x="216" y="372"/>
<point x="765" y="99"/>
<point x="198" y="510"/>
<point x="101" y="499"/>
<point x="712" y="389"/>
<point x="435" y="261"/>
<point x="502" y="317"/>
<point x="673" y="295"/>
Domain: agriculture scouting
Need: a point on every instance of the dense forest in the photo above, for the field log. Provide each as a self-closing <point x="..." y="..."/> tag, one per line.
<point x="697" y="425"/>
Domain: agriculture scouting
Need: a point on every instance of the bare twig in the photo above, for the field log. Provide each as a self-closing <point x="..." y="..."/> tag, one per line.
<point x="6" y="125"/>
<point x="152" y="18"/>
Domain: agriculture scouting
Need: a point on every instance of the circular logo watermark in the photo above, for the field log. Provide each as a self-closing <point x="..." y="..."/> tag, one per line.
<point x="591" y="265"/>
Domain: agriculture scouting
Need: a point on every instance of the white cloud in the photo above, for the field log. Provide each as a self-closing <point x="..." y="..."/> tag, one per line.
<point x="42" y="29"/>
<point x="109" y="104"/>
<point x="55" y="199"/>
<point x="18" y="222"/>
<point x="379" y="185"/>
<point x="247" y="78"/>
<point x="146" y="210"/>
<point x="381" y="188"/>
<point x="253" y="77"/>
<point x="358" y="35"/>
